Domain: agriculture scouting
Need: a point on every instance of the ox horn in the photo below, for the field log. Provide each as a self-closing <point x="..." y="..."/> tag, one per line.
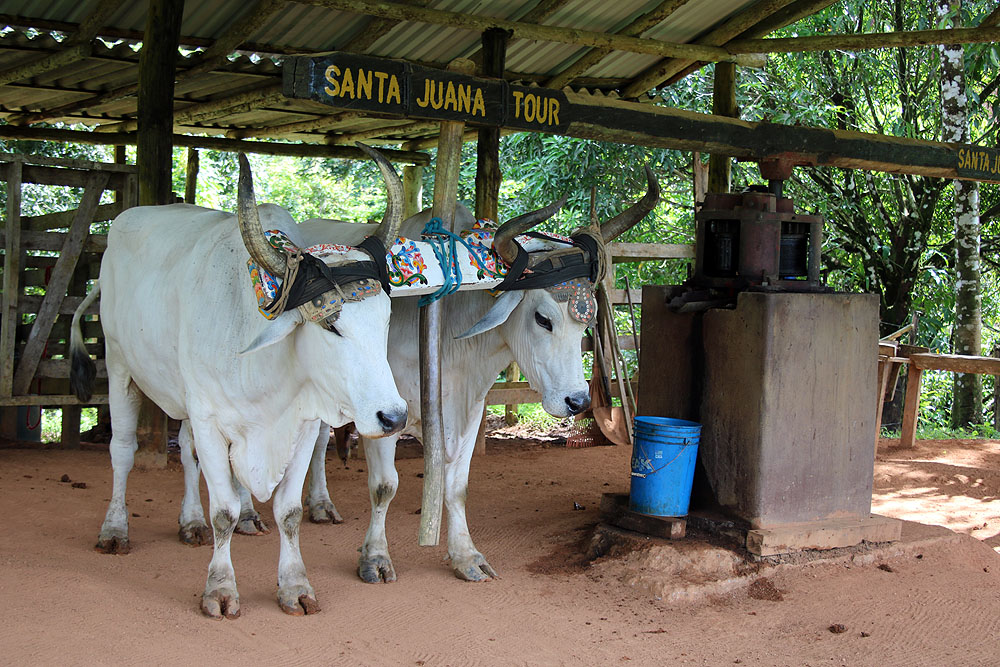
<point x="503" y="239"/>
<point x="262" y="252"/>
<point x="632" y="215"/>
<point x="393" y="218"/>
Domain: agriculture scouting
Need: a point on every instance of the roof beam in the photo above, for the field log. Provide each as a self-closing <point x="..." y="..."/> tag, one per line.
<point x="213" y="109"/>
<point x="235" y="35"/>
<point x="731" y="29"/>
<point x="212" y="143"/>
<point x="375" y="133"/>
<point x="634" y="29"/>
<point x="320" y="123"/>
<point x="78" y="46"/>
<point x="545" y="33"/>
<point x="862" y="42"/>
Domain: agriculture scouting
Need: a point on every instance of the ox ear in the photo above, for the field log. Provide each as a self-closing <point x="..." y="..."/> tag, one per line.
<point x="276" y="330"/>
<point x="497" y="315"/>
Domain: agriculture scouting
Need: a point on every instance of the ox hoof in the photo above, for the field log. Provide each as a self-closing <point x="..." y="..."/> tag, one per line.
<point x="376" y="569"/>
<point x="222" y="602"/>
<point x="324" y="512"/>
<point x="298" y="600"/>
<point x="252" y="524"/>
<point x="195" y="534"/>
<point x="114" y="543"/>
<point x="473" y="568"/>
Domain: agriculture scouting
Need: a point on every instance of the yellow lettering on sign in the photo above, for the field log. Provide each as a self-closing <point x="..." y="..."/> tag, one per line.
<point x="347" y="85"/>
<point x="517" y="103"/>
<point x="364" y="84"/>
<point x="332" y="72"/>
<point x="478" y="104"/>
<point x="450" y="99"/>
<point x="465" y="98"/>
<point x="381" y="76"/>
<point x="554" y="112"/>
<point x="393" y="92"/>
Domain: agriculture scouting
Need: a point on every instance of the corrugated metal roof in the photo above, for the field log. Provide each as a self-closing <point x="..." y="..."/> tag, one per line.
<point x="300" y="27"/>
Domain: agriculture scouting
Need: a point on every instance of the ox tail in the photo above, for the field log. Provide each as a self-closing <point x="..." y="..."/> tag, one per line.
<point x="83" y="370"/>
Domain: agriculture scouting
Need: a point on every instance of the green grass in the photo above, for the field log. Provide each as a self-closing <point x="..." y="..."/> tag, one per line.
<point x="931" y="432"/>
<point x="531" y="415"/>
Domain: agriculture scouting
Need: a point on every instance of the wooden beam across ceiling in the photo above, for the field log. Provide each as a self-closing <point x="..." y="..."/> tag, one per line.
<point x="211" y="58"/>
<point x="212" y="143"/>
<point x="523" y="30"/>
<point x="862" y="42"/>
<point x="640" y="25"/>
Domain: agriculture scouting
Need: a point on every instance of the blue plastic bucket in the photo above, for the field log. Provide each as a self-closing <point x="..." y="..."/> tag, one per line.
<point x="663" y="458"/>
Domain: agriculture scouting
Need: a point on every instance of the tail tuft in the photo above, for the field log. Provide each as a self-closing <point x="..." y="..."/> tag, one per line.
<point x="82" y="370"/>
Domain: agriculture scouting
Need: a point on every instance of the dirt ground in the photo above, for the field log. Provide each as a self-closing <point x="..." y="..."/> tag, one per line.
<point x="532" y="507"/>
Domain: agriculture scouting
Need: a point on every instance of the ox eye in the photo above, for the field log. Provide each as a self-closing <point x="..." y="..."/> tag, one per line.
<point x="543" y="321"/>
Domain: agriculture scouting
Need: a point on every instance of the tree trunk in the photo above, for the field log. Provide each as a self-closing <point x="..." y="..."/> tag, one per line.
<point x="967" y="403"/>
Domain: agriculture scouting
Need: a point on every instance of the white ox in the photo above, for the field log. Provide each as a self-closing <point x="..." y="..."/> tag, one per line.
<point x="181" y="325"/>
<point x="536" y="330"/>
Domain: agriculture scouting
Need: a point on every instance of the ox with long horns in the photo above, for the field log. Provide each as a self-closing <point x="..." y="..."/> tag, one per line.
<point x="538" y="322"/>
<point x="182" y="326"/>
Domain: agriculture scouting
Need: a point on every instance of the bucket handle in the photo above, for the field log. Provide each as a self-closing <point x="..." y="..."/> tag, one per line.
<point x="687" y="442"/>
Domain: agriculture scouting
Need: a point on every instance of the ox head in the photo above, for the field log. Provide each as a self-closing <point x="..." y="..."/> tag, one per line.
<point x="543" y="326"/>
<point x="339" y="333"/>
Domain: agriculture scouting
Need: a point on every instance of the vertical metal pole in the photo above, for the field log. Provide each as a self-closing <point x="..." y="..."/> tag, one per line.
<point x="446" y="172"/>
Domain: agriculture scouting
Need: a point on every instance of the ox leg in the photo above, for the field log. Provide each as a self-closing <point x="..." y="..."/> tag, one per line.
<point x="124" y="397"/>
<point x="295" y="595"/>
<point x="321" y="508"/>
<point x="466" y="561"/>
<point x="250" y="522"/>
<point x="194" y="530"/>
<point x="374" y="565"/>
<point x="220" y="597"/>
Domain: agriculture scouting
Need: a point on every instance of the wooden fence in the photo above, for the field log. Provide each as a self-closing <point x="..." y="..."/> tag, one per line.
<point x="48" y="261"/>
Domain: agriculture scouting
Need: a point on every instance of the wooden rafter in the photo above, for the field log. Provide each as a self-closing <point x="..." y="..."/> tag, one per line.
<point x="382" y="131"/>
<point x="640" y="25"/>
<point x="320" y="123"/>
<point x="524" y="30"/>
<point x="77" y="47"/>
<point x="212" y="57"/>
<point x="874" y="40"/>
<point x="734" y="27"/>
<point x="213" y="143"/>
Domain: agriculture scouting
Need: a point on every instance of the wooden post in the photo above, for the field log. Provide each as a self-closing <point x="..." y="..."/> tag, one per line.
<point x="446" y="175"/>
<point x="488" y="174"/>
<point x="510" y="410"/>
<point x="911" y="407"/>
<point x="191" y="178"/>
<point x="413" y="189"/>
<point x="700" y="173"/>
<point x="11" y="292"/>
<point x="154" y="158"/>
<point x="723" y="104"/>
<point x="481" y="436"/>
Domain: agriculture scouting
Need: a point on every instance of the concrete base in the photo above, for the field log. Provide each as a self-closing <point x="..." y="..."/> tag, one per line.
<point x="828" y="534"/>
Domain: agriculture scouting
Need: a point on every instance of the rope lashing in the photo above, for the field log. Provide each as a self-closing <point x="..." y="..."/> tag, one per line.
<point x="443" y="241"/>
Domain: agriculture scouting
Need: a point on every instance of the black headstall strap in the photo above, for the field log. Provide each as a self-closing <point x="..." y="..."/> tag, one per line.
<point x="374" y="247"/>
<point x="315" y="278"/>
<point x="555" y="270"/>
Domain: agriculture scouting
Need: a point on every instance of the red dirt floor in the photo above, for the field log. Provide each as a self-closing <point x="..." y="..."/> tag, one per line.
<point x="932" y="601"/>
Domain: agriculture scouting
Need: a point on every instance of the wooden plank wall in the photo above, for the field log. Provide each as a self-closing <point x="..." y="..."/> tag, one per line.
<point x="48" y="262"/>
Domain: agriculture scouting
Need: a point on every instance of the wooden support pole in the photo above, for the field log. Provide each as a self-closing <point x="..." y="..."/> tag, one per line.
<point x="911" y="407"/>
<point x="11" y="294"/>
<point x="446" y="175"/>
<point x="191" y="177"/>
<point x="488" y="174"/>
<point x="413" y="190"/>
<point x="154" y="158"/>
<point x="510" y="410"/>
<point x="723" y="104"/>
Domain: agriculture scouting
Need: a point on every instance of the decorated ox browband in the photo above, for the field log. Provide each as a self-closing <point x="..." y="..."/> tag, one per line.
<point x="412" y="269"/>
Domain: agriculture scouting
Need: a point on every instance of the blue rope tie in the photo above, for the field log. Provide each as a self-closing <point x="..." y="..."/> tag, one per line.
<point x="443" y="242"/>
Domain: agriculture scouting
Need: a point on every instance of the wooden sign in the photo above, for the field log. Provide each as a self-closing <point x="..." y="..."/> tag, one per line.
<point x="979" y="163"/>
<point x="397" y="88"/>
